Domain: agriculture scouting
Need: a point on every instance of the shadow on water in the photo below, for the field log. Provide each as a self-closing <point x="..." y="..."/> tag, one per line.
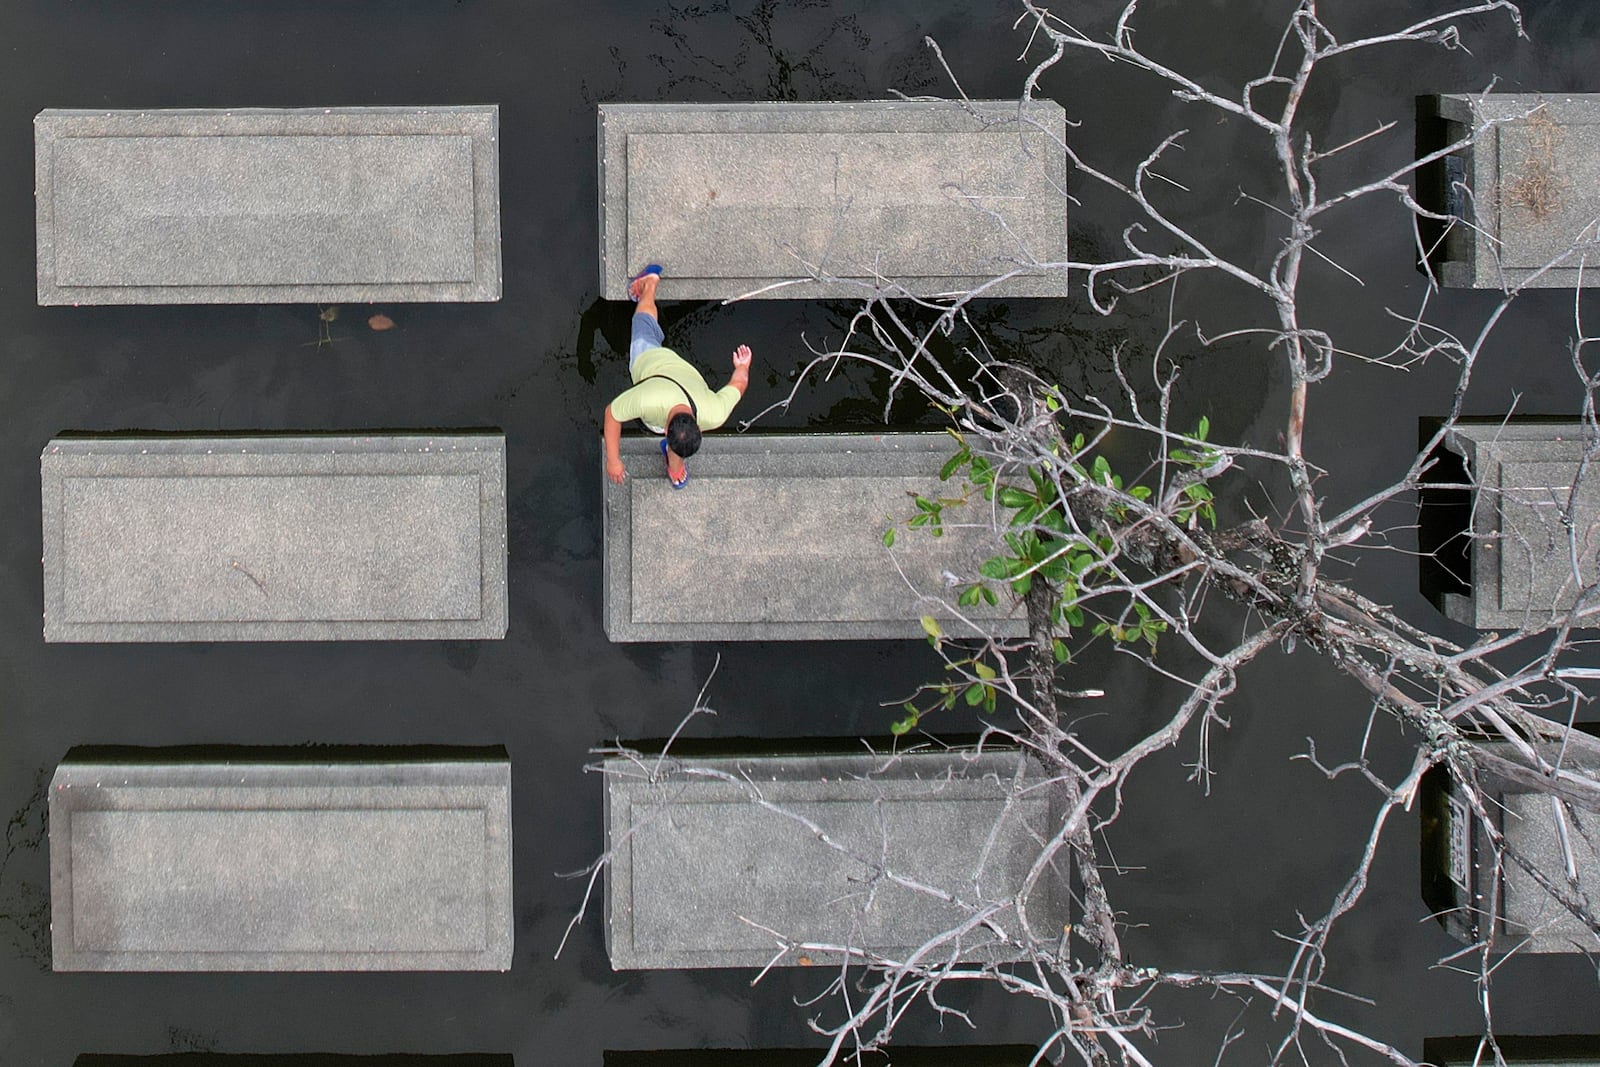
<point x="24" y="899"/>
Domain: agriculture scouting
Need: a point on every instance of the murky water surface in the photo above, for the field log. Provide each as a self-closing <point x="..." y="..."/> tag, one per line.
<point x="1211" y="877"/>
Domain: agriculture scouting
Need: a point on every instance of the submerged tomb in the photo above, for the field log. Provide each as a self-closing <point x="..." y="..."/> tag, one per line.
<point x="715" y="861"/>
<point x="781" y="538"/>
<point x="807" y="200"/>
<point x="274" y="538"/>
<point x="1516" y="544"/>
<point x="1521" y="195"/>
<point x="268" y="205"/>
<point x="276" y="861"/>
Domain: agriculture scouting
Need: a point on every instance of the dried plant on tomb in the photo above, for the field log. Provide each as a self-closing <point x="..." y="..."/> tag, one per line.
<point x="1536" y="185"/>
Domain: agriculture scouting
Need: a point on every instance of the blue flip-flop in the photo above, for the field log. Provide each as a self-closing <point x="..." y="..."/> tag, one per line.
<point x="675" y="485"/>
<point x="652" y="268"/>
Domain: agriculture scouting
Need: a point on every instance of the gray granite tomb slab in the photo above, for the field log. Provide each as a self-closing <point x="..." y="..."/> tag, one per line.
<point x="281" y="866"/>
<point x="278" y="538"/>
<point x="698" y="868"/>
<point x="780" y="538"/>
<point x="1564" y="1050"/>
<point x="1500" y="901"/>
<point x="1522" y="555"/>
<point x="1531" y="182"/>
<point x="296" y="1059"/>
<point x="267" y="205"/>
<point x="902" y="1056"/>
<point x="933" y="196"/>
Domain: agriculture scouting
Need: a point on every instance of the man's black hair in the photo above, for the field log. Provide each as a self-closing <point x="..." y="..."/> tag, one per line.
<point x="683" y="435"/>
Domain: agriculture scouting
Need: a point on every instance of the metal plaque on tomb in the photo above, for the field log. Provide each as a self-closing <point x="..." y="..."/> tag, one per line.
<point x="786" y="536"/>
<point x="280" y="538"/>
<point x="1534" y="532"/>
<point x="719" y="862"/>
<point x="1523" y="194"/>
<point x="281" y="866"/>
<point x="267" y="205"/>
<point x="805" y="200"/>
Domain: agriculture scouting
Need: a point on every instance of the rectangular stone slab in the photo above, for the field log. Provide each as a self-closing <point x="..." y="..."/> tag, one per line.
<point x="1501" y="902"/>
<point x="1565" y="1050"/>
<point x="732" y="198"/>
<point x="697" y="861"/>
<point x="291" y="866"/>
<point x="323" y="205"/>
<point x="296" y="1059"/>
<point x="903" y="1056"/>
<point x="1522" y="570"/>
<point x="287" y="538"/>
<point x="781" y="538"/>
<point x="1533" y="180"/>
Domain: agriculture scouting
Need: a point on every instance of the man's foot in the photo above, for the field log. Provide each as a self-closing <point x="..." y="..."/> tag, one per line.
<point x="683" y="472"/>
<point x="642" y="286"/>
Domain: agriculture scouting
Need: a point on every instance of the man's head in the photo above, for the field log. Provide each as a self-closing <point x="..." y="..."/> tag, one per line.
<point x="683" y="435"/>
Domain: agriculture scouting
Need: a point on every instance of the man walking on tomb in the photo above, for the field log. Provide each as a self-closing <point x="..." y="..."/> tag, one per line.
<point x="669" y="396"/>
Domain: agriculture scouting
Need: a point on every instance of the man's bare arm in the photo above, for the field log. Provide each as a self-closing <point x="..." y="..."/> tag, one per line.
<point x="613" y="446"/>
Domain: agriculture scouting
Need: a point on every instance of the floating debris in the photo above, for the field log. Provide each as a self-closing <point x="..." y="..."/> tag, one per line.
<point x="381" y="323"/>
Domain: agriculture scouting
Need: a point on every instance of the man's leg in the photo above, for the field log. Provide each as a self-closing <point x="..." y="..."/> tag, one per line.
<point x="646" y="327"/>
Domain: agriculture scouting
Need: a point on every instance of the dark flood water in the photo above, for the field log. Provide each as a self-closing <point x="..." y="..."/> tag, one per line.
<point x="1210" y="878"/>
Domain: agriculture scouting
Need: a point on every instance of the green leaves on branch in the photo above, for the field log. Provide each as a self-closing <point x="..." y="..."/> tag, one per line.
<point x="1146" y="628"/>
<point x="979" y="691"/>
<point x="1198" y="496"/>
<point x="1046" y="549"/>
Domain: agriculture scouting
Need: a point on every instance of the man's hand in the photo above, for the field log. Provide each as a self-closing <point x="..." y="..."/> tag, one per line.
<point x="615" y="471"/>
<point x="740" y="378"/>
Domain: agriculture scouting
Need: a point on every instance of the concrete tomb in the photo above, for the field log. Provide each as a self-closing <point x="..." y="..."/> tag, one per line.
<point x="268" y="205"/>
<point x="780" y="538"/>
<point x="282" y="538"/>
<point x="894" y="1056"/>
<point x="1516" y="548"/>
<point x="291" y="865"/>
<point x="702" y="875"/>
<point x="1475" y="896"/>
<point x="295" y="1059"/>
<point x="1557" y="1050"/>
<point x="933" y="196"/>
<point x="1523" y="194"/>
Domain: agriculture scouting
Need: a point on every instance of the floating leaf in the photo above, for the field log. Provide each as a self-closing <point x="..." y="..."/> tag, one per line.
<point x="329" y="313"/>
<point x="381" y="323"/>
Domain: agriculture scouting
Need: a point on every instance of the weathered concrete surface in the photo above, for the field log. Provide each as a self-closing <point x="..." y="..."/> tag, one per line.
<point x="1564" y="1050"/>
<point x="780" y="538"/>
<point x="294" y="1059"/>
<point x="286" y="538"/>
<point x="696" y="861"/>
<point x="1522" y="554"/>
<point x="735" y="197"/>
<point x="1531" y="183"/>
<point x="292" y="866"/>
<point x="1502" y="902"/>
<point x="258" y="205"/>
<point x="897" y="1056"/>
